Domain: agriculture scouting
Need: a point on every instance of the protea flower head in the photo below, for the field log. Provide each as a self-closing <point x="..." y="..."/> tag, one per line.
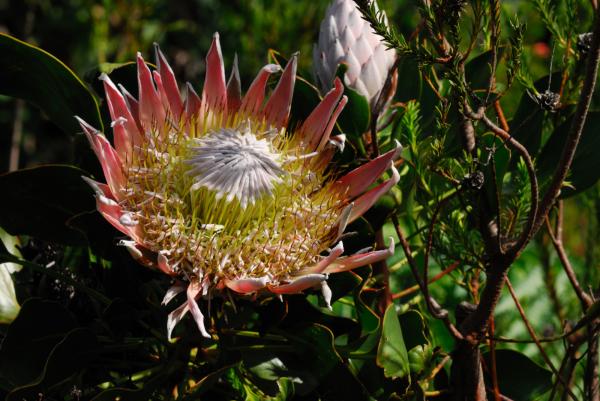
<point x="345" y="37"/>
<point x="214" y="190"/>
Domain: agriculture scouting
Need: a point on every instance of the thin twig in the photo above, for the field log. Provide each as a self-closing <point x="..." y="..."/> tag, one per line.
<point x="433" y="307"/>
<point x="494" y="370"/>
<point x="437" y="368"/>
<point x="592" y="374"/>
<point x="561" y="370"/>
<point x="435" y="278"/>
<point x="584" y="298"/>
<point x="500" y="115"/>
<point x="535" y="339"/>
<point x="527" y="232"/>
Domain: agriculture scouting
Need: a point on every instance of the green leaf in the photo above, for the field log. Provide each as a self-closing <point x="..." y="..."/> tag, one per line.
<point x="355" y="119"/>
<point x="526" y="125"/>
<point x="413" y="328"/>
<point x="205" y="384"/>
<point x="478" y="70"/>
<point x="519" y="378"/>
<point x="305" y="99"/>
<point x="35" y="75"/>
<point x="38" y="328"/>
<point x="356" y="116"/>
<point x="342" y="283"/>
<point x="68" y="357"/>
<point x="368" y="319"/>
<point x="585" y="170"/>
<point x="391" y="353"/>
<point x="38" y="201"/>
<point x="314" y="345"/>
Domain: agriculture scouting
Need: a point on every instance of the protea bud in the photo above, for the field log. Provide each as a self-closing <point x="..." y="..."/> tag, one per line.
<point x="345" y="37"/>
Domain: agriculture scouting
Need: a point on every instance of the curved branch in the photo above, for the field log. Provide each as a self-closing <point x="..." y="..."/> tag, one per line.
<point x="576" y="129"/>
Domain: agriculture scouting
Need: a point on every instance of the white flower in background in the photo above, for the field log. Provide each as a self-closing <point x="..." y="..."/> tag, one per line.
<point x="9" y="307"/>
<point x="345" y="37"/>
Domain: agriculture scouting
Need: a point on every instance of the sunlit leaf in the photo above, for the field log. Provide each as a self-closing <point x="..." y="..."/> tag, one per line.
<point x="391" y="353"/>
<point x="35" y="75"/>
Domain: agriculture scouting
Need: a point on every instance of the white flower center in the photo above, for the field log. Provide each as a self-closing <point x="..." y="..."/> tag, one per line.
<point x="234" y="164"/>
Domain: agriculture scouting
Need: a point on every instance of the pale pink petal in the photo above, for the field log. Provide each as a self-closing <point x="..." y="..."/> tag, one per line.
<point x="361" y="259"/>
<point x="234" y="89"/>
<point x="277" y="109"/>
<point x="169" y="83"/>
<point x="98" y="187"/>
<point x="214" y="93"/>
<point x="255" y="96"/>
<point x="160" y="90"/>
<point x="326" y="261"/>
<point x="139" y="253"/>
<point x="123" y="144"/>
<point x="164" y="265"/>
<point x="173" y="291"/>
<point x="134" y="107"/>
<point x="298" y="284"/>
<point x="327" y="294"/>
<point x="192" y="101"/>
<point x="152" y="112"/>
<point x="247" y="285"/>
<point x="332" y="121"/>
<point x="358" y="180"/>
<point x="175" y="317"/>
<point x="365" y="201"/>
<point x="119" y="108"/>
<point x="192" y="292"/>
<point x="343" y="219"/>
<point x="313" y="127"/>
<point x="108" y="157"/>
<point x="112" y="212"/>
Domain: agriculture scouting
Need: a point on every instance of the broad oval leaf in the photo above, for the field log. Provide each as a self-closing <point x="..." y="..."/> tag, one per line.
<point x="30" y="73"/>
<point x="356" y="116"/>
<point x="70" y="355"/>
<point x="479" y="69"/>
<point x="585" y="170"/>
<point x="527" y="382"/>
<point x="39" y="201"/>
<point x="391" y="353"/>
<point x="526" y="125"/>
<point x="38" y="328"/>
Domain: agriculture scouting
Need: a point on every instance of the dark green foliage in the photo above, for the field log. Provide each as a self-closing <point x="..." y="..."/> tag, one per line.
<point x="91" y="324"/>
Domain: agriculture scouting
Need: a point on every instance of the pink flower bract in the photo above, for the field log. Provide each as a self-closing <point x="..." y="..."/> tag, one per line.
<point x="215" y="191"/>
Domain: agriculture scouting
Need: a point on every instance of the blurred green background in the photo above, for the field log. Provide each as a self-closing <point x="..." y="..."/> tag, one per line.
<point x="84" y="34"/>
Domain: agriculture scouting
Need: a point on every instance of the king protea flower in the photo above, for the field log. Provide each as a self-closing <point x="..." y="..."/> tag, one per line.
<point x="345" y="37"/>
<point x="214" y="190"/>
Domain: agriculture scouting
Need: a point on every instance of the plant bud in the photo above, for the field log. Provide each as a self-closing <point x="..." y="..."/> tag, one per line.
<point x="345" y="37"/>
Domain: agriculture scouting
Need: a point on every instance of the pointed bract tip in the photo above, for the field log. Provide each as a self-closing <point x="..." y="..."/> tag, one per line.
<point x="392" y="246"/>
<point x="398" y="150"/>
<point x="103" y="77"/>
<point x="93" y="184"/>
<point x="87" y="127"/>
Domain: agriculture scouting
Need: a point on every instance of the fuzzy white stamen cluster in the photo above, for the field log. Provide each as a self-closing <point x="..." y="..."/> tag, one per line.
<point x="234" y="163"/>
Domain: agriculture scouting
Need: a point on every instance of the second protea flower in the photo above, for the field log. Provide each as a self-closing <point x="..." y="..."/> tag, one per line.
<point x="214" y="190"/>
<point x="345" y="37"/>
